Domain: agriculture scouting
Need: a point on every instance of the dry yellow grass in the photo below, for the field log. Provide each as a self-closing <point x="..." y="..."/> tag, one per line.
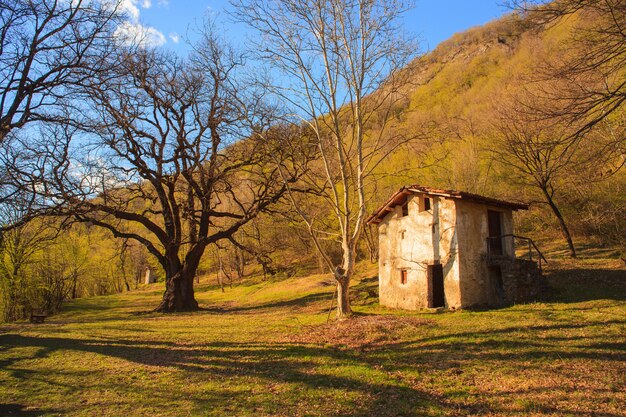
<point x="264" y="349"/>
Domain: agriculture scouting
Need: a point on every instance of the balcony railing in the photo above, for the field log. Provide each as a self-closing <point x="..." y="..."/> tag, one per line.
<point x="524" y="248"/>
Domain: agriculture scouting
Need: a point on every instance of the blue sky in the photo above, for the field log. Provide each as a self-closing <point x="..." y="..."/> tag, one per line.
<point x="171" y="21"/>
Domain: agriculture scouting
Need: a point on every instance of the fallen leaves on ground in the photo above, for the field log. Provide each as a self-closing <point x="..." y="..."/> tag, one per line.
<point x="359" y="331"/>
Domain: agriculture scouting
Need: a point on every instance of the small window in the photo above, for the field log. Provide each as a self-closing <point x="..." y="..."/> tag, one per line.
<point x="426" y="203"/>
<point x="402" y="234"/>
<point x="403" y="276"/>
<point x="405" y="209"/>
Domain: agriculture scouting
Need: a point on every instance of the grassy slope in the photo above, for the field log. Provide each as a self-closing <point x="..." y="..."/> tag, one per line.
<point x="263" y="349"/>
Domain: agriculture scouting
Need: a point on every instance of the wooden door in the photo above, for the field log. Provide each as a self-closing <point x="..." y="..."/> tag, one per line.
<point x="435" y="284"/>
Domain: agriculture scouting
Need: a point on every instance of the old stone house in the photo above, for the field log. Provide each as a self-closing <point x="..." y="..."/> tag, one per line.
<point x="453" y="249"/>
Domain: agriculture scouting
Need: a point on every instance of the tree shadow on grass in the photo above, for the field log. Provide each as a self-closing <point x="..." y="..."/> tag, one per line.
<point x="310" y="373"/>
<point x="18" y="410"/>
<point x="365" y="292"/>
<point x="296" y="304"/>
<point x="579" y="285"/>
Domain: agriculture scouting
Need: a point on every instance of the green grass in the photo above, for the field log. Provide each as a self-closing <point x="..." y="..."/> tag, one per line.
<point x="264" y="349"/>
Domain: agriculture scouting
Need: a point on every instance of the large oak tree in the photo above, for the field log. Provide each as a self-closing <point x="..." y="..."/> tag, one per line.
<point x="170" y="153"/>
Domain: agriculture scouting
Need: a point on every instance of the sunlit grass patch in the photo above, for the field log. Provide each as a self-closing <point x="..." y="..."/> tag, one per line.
<point x="264" y="348"/>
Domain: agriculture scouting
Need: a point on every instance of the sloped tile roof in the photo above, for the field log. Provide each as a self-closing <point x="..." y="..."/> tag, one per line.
<point x="400" y="196"/>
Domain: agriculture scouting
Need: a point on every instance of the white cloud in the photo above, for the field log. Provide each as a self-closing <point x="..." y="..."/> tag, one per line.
<point x="163" y="3"/>
<point x="138" y="34"/>
<point x="129" y="7"/>
<point x="175" y="37"/>
<point x="132" y="32"/>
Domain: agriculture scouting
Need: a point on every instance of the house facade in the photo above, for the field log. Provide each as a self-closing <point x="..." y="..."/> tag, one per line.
<point x="451" y="249"/>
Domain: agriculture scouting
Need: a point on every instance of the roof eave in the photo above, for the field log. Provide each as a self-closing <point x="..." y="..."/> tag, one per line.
<point x="375" y="217"/>
<point x="379" y="214"/>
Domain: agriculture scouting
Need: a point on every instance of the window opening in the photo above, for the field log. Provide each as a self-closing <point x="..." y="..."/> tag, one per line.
<point x="405" y="209"/>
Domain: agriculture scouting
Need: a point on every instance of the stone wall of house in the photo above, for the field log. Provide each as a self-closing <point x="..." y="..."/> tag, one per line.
<point x="477" y="285"/>
<point x="522" y="280"/>
<point x="411" y="243"/>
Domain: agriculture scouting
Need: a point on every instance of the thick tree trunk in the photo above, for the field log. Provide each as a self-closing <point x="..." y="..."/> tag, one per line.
<point x="179" y="278"/>
<point x="343" y="298"/>
<point x="179" y="294"/>
<point x="343" y="276"/>
<point x="564" y="230"/>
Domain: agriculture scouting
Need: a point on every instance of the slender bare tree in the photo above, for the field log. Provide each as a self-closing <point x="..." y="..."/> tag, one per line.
<point x="574" y="101"/>
<point x="546" y="153"/>
<point x="338" y="65"/>
<point x="539" y="153"/>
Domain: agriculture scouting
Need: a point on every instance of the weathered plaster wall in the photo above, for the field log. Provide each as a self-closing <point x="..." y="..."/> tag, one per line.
<point x="413" y="242"/>
<point x="477" y="286"/>
<point x="453" y="233"/>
